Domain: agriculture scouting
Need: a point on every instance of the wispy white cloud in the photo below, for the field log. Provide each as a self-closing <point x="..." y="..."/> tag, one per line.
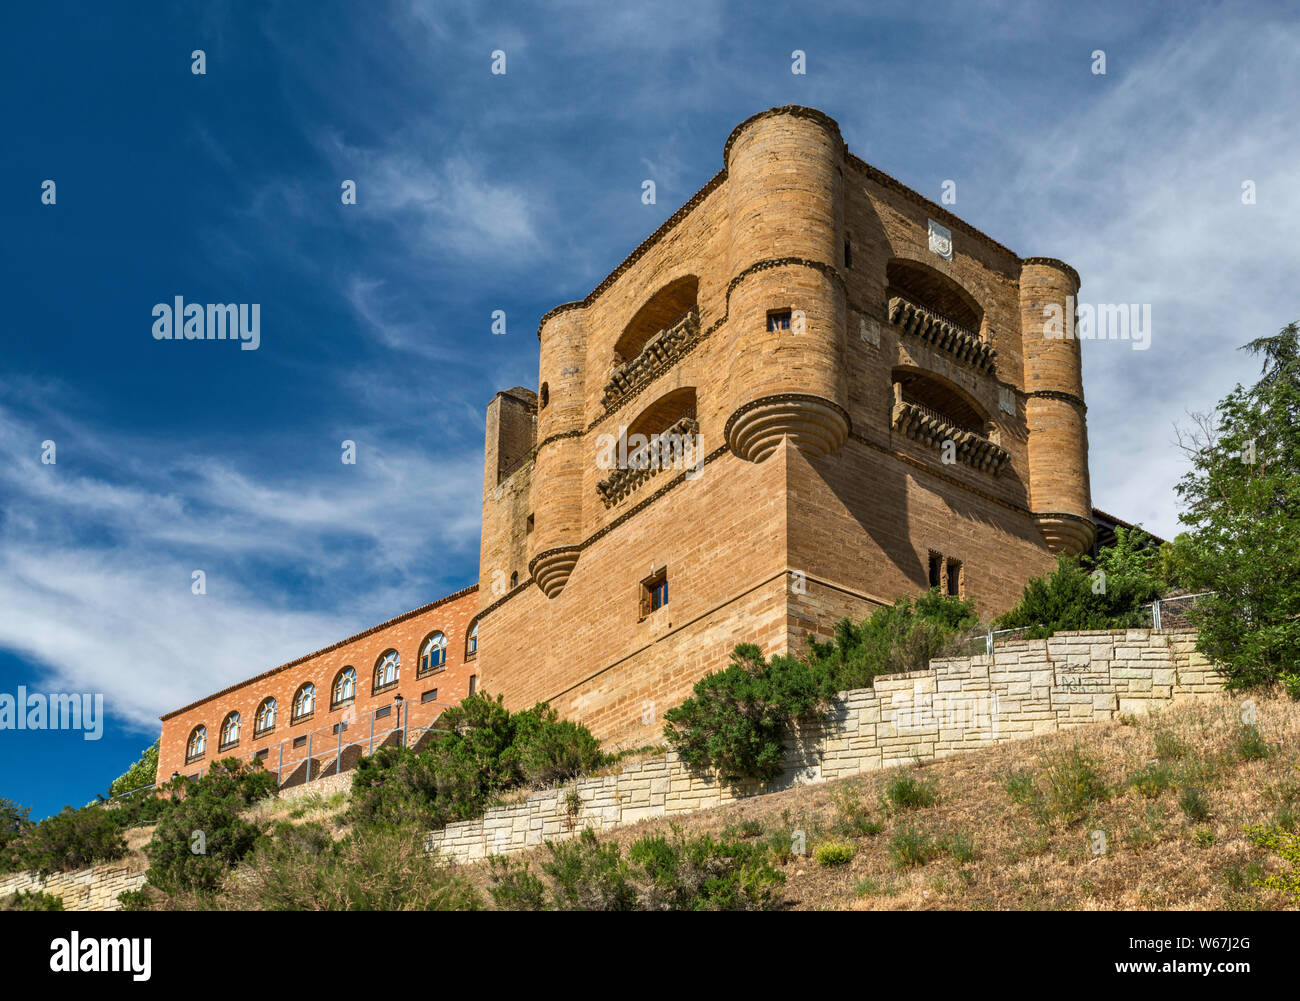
<point x="96" y="555"/>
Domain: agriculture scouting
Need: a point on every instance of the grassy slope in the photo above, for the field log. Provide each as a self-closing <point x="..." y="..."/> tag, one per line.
<point x="1155" y="858"/>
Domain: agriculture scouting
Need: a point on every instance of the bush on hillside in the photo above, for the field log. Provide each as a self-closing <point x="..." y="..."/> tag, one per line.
<point x="68" y="841"/>
<point x="36" y="900"/>
<point x="895" y="639"/>
<point x="200" y="835"/>
<point x="1106" y="593"/>
<point x="484" y="750"/>
<point x="738" y="719"/>
<point x="301" y="867"/>
<point x="659" y="874"/>
<point x="14" y="821"/>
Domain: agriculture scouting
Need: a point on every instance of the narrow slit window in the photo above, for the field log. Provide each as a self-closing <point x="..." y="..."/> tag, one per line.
<point x="954" y="578"/>
<point x="936" y="570"/>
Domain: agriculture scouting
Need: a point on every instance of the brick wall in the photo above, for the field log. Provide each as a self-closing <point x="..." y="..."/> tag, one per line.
<point x="1024" y="689"/>
<point x="452" y="615"/>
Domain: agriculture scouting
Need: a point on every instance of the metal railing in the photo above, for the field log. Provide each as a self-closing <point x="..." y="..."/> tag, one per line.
<point x="326" y="749"/>
<point x="1164" y="613"/>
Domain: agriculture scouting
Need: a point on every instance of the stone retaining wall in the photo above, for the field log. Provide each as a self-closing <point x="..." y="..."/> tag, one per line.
<point x="1024" y="689"/>
<point x="93" y="889"/>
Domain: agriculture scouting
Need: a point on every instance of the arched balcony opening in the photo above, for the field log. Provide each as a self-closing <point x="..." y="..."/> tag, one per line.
<point x="665" y="435"/>
<point x="931" y="410"/>
<point x="927" y="304"/>
<point x="662" y="331"/>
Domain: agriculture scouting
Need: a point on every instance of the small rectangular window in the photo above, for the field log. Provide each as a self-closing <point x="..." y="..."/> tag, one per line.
<point x="262" y="754"/>
<point x="339" y="728"/>
<point x="654" y="593"/>
<point x="430" y="696"/>
<point x="473" y="683"/>
<point x="848" y="254"/>
<point x="936" y="569"/>
<point x="954" y="577"/>
<point x="778" y="319"/>
<point x="299" y="741"/>
<point x="529" y="527"/>
<point x="383" y="711"/>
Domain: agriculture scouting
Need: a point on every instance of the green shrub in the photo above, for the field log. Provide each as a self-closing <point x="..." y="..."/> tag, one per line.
<point x="14" y="822"/>
<point x="1203" y="836"/>
<point x="851" y="817"/>
<point x="701" y="874"/>
<point x="1287" y="847"/>
<point x="911" y="848"/>
<point x="140" y="810"/>
<point x="960" y="846"/>
<point x="1250" y="745"/>
<point x="1192" y="801"/>
<point x="1169" y="747"/>
<point x="588" y="875"/>
<point x="68" y="841"/>
<point x="737" y="718"/>
<point x="484" y="750"/>
<point x="1022" y="788"/>
<point x="833" y="853"/>
<point x="1152" y="780"/>
<point x="35" y="900"/>
<point x="743" y="829"/>
<point x="660" y="873"/>
<point x="1073" y="783"/>
<point x="906" y="793"/>
<point x="548" y="750"/>
<point x="201" y="836"/>
<point x="1108" y="593"/>
<point x="894" y="639"/>
<point x="299" y="867"/>
<point x="135" y="900"/>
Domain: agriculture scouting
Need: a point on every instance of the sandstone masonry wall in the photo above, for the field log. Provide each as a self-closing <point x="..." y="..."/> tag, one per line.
<point x="93" y="889"/>
<point x="1023" y="689"/>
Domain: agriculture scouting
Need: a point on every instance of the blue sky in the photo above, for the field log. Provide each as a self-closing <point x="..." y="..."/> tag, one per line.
<point x="479" y="192"/>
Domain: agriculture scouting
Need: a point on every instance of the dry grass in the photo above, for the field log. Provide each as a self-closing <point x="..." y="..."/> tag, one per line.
<point x="982" y="850"/>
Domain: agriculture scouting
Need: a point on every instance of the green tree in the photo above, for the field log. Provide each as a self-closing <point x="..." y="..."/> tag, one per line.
<point x="142" y="773"/>
<point x="1242" y="500"/>
<point x="1108" y="592"/>
<point x="14" y="821"/>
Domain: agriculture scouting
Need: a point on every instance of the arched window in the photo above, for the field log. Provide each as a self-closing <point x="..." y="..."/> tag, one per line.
<point x="304" y="701"/>
<point x="471" y="642"/>
<point x="197" y="743"/>
<point x="345" y="687"/>
<point x="433" y="653"/>
<point x="264" y="721"/>
<point x="230" y="731"/>
<point x="387" y="670"/>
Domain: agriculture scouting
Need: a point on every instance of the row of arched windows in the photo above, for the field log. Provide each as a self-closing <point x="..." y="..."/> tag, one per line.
<point x="387" y="673"/>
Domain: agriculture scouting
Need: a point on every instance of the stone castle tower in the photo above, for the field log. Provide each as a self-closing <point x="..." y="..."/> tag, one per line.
<point x="874" y="410"/>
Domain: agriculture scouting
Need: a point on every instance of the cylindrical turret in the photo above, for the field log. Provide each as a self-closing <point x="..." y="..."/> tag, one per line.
<point x="1054" y="411"/>
<point x="557" y="474"/>
<point x="786" y="316"/>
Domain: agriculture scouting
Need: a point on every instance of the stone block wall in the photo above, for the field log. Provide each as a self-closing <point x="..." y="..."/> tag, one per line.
<point x="1024" y="689"/>
<point x="93" y="889"/>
